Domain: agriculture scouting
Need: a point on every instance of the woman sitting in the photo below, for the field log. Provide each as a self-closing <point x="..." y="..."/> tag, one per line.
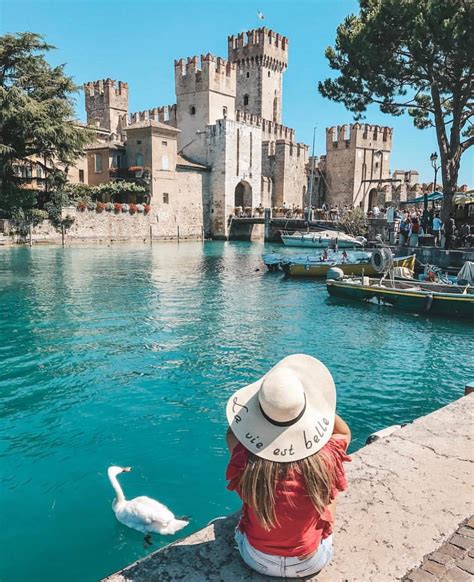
<point x="287" y="448"/>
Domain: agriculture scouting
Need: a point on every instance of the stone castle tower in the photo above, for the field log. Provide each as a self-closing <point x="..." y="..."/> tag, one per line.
<point x="357" y="165"/>
<point x="261" y="59"/>
<point x="205" y="92"/>
<point x="106" y="104"/>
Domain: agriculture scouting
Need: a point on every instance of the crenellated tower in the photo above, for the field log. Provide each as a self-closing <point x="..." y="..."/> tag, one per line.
<point x="205" y="92"/>
<point x="261" y="57"/>
<point x="358" y="164"/>
<point x="106" y="103"/>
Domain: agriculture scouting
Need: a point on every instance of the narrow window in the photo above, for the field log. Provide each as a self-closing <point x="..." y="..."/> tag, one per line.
<point x="165" y="163"/>
<point x="98" y="163"/>
<point x="139" y="141"/>
<point x="139" y="159"/>
<point x="119" y="161"/>
<point x="224" y="112"/>
<point x="268" y="73"/>
<point x="248" y="75"/>
<point x="166" y="198"/>
<point x="192" y="110"/>
<point x="238" y="151"/>
<point x="251" y="150"/>
<point x="81" y="176"/>
<point x="246" y="99"/>
<point x="164" y="143"/>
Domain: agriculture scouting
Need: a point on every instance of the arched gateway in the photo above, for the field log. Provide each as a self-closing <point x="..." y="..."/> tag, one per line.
<point x="243" y="195"/>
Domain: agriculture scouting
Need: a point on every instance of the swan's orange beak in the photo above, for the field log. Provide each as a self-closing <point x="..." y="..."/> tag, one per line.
<point x="126" y="469"/>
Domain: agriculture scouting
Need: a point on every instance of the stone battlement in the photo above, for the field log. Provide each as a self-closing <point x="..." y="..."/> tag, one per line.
<point x="359" y="135"/>
<point x="104" y="87"/>
<point x="270" y="129"/>
<point x="261" y="44"/>
<point x="209" y="73"/>
<point x="164" y="114"/>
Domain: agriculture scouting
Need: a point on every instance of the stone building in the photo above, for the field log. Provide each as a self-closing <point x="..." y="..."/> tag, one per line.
<point x="357" y="165"/>
<point x="221" y="146"/>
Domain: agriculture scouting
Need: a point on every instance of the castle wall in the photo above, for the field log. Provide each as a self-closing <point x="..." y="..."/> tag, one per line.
<point x="234" y="150"/>
<point x="289" y="173"/>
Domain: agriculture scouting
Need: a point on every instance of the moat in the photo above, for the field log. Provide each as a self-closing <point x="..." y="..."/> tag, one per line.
<point x="127" y="354"/>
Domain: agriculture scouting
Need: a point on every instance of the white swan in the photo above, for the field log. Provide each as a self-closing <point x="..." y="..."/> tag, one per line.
<point x="142" y="513"/>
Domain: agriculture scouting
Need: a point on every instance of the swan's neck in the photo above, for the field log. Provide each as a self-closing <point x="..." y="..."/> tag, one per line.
<point x="120" y="497"/>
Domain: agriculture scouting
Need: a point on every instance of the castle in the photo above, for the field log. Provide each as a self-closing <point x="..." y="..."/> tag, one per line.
<point x="222" y="145"/>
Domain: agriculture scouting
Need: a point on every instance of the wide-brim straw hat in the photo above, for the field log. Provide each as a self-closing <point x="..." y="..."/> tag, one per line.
<point x="289" y="413"/>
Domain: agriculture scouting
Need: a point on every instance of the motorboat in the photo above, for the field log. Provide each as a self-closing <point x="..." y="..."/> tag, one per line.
<point x="414" y="296"/>
<point x="321" y="239"/>
<point x="348" y="262"/>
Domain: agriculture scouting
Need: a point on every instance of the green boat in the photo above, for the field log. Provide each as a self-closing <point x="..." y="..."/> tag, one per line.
<point x="414" y="296"/>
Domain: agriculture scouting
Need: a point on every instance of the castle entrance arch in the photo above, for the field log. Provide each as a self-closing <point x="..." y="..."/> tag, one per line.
<point x="243" y="195"/>
<point x="373" y="198"/>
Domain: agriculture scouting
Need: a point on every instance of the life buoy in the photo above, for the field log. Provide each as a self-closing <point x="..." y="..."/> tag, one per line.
<point x="381" y="260"/>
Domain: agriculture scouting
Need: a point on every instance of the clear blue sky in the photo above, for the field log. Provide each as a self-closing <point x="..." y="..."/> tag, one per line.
<point x="137" y="40"/>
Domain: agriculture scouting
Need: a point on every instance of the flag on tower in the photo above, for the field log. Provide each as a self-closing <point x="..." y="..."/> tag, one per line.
<point x="260" y="15"/>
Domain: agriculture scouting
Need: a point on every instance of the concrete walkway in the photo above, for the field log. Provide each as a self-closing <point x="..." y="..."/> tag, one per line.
<point x="407" y="494"/>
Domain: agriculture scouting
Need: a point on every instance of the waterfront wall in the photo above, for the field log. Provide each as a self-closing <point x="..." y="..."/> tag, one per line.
<point x="407" y="493"/>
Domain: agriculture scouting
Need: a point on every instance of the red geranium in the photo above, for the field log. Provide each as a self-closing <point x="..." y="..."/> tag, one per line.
<point x="100" y="207"/>
<point x="146" y="208"/>
<point x="132" y="208"/>
<point x="82" y="206"/>
<point x="117" y="207"/>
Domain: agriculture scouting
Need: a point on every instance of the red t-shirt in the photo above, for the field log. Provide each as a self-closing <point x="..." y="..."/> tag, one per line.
<point x="301" y="528"/>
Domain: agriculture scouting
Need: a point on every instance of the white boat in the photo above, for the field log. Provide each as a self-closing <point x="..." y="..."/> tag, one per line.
<point x="321" y="240"/>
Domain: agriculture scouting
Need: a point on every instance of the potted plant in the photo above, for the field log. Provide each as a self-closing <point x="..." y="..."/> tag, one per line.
<point x="125" y="207"/>
<point x="100" y="207"/>
<point x="117" y="207"/>
<point x="91" y="205"/>
<point x="81" y="206"/>
<point x="132" y="208"/>
<point x="109" y="206"/>
<point x="146" y="208"/>
<point x="140" y="208"/>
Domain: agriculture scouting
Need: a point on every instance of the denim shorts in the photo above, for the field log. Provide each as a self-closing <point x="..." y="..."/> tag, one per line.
<point x="283" y="566"/>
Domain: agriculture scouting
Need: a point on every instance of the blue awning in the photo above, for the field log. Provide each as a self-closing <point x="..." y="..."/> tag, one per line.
<point x="433" y="197"/>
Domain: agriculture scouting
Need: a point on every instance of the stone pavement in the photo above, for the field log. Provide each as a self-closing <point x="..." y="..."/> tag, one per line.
<point x="451" y="562"/>
<point x="408" y="492"/>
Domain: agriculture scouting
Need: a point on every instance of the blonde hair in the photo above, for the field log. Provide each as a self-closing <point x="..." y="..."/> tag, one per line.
<point x="260" y="478"/>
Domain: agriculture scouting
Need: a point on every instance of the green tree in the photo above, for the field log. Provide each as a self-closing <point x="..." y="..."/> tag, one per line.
<point x="36" y="124"/>
<point x="415" y="56"/>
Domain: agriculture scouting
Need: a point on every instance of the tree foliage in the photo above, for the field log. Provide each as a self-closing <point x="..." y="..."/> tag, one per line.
<point x="36" y="126"/>
<point x="414" y="56"/>
<point x="354" y="222"/>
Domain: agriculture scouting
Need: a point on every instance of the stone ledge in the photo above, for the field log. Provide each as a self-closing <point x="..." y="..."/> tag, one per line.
<point x="407" y="493"/>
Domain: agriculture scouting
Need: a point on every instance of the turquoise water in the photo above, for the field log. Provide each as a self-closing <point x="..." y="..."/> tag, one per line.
<point x="126" y="355"/>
